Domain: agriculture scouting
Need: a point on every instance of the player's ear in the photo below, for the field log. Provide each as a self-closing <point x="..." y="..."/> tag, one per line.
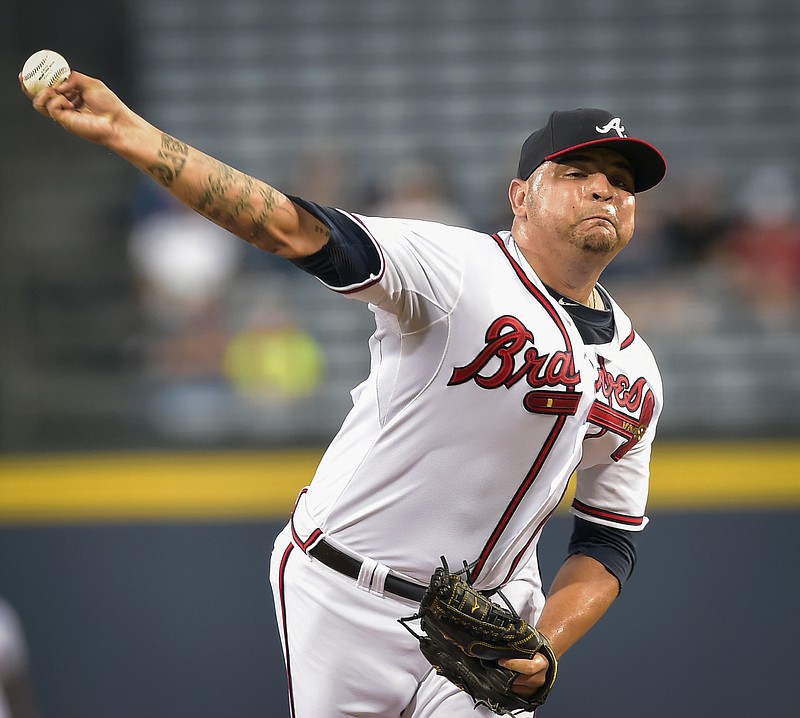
<point x="517" y="192"/>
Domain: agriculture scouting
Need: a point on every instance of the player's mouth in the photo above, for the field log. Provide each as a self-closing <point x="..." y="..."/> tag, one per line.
<point x="600" y="219"/>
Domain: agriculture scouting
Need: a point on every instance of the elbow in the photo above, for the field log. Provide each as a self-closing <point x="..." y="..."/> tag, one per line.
<point x="282" y="231"/>
<point x="267" y="240"/>
<point x="283" y="244"/>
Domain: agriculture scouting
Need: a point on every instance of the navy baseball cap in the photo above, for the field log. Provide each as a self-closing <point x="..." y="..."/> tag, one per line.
<point x="569" y="130"/>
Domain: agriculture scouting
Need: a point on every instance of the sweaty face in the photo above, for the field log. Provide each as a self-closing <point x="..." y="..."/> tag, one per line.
<point x="584" y="198"/>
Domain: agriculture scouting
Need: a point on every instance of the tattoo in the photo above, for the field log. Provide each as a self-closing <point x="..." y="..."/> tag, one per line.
<point x="232" y="199"/>
<point x="236" y="201"/>
<point x="172" y="156"/>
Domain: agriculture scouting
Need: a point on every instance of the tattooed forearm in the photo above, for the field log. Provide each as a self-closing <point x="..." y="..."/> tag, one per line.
<point x="171" y="160"/>
<point x="237" y="202"/>
<point x="215" y="193"/>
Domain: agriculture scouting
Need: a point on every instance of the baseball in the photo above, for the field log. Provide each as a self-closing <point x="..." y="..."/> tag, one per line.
<point x="44" y="69"/>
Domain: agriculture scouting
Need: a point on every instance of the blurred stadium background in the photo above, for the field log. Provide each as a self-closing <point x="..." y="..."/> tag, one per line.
<point x="165" y="390"/>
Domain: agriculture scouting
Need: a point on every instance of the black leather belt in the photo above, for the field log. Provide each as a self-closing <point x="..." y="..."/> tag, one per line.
<point x="349" y="566"/>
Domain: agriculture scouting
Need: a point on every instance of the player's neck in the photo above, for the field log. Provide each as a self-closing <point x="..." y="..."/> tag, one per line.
<point x="574" y="277"/>
<point x="569" y="269"/>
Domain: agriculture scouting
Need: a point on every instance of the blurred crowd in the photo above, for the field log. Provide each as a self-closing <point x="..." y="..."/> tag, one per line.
<point x="708" y="257"/>
<point x="220" y="329"/>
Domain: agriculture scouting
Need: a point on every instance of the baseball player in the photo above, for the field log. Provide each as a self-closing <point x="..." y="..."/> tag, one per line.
<point x="499" y="367"/>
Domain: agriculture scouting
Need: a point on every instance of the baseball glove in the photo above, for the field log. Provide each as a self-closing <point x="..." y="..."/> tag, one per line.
<point x="465" y="634"/>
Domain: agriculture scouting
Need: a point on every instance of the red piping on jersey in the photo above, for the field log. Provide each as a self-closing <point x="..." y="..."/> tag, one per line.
<point x="607" y="515"/>
<point x="315" y="534"/>
<point x="628" y="340"/>
<point x="519" y="556"/>
<point x="304" y="545"/>
<point x="281" y="593"/>
<point x="533" y="289"/>
<point x="519" y="495"/>
<point x="552" y="437"/>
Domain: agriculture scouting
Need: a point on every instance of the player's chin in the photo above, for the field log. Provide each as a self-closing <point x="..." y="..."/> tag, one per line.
<point x="599" y="240"/>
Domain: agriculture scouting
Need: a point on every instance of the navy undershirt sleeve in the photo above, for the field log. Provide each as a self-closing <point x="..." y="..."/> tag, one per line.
<point x="614" y="548"/>
<point x="349" y="257"/>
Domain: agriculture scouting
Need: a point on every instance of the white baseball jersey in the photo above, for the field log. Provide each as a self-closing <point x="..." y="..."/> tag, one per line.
<point x="481" y="401"/>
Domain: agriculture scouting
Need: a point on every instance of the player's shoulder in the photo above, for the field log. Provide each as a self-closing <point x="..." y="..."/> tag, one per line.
<point x="634" y="350"/>
<point x="420" y="228"/>
<point x="415" y="241"/>
<point x="631" y="346"/>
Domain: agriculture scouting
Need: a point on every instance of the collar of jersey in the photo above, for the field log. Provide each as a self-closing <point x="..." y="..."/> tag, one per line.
<point x="622" y="323"/>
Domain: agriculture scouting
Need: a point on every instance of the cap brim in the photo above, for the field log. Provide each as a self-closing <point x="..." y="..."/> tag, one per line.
<point x="649" y="165"/>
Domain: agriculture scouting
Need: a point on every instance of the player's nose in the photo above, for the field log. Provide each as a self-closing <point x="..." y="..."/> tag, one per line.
<point x="600" y="187"/>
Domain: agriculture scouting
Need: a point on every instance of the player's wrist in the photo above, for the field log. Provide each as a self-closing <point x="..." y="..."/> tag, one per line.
<point x="133" y="138"/>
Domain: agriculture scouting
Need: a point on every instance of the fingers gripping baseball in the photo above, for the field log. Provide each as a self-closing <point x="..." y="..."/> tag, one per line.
<point x="82" y="105"/>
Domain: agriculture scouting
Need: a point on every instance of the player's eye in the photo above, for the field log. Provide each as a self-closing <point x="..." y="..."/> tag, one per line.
<point x="623" y="183"/>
